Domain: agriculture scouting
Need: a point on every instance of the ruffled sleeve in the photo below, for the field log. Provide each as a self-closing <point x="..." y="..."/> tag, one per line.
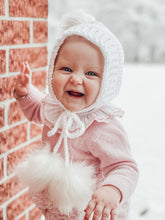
<point x="110" y="145"/>
<point x="31" y="105"/>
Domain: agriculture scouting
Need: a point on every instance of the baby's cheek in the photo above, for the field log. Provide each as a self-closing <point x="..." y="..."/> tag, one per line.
<point x="56" y="83"/>
<point x="93" y="91"/>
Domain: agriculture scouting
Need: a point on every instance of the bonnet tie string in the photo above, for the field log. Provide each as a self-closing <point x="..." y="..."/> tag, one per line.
<point x="65" y="121"/>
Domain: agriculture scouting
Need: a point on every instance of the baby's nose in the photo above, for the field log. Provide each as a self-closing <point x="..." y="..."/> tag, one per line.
<point x="76" y="79"/>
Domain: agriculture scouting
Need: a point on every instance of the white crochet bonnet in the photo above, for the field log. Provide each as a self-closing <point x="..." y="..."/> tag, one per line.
<point x="84" y="25"/>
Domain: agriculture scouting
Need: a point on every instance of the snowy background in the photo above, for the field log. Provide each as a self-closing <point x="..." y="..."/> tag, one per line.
<point x="140" y="26"/>
<point x="143" y="100"/>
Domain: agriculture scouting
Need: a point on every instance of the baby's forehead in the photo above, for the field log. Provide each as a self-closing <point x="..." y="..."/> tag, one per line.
<point x="78" y="46"/>
<point x="75" y="38"/>
<point x="77" y="41"/>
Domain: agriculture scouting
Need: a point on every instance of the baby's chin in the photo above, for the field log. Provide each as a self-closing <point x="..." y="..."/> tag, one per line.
<point x="75" y="108"/>
<point x="74" y="105"/>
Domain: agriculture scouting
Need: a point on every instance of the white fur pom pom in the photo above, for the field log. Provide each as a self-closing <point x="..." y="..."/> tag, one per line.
<point x="74" y="18"/>
<point x="73" y="188"/>
<point x="36" y="172"/>
<point x="68" y="187"/>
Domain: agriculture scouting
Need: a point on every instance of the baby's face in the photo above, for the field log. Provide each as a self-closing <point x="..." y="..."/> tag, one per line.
<point x="77" y="73"/>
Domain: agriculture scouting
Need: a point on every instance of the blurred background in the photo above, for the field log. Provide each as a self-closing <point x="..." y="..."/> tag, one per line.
<point x="139" y="24"/>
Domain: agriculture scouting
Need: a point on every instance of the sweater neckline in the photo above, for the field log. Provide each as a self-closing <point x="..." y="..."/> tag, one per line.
<point x="51" y="111"/>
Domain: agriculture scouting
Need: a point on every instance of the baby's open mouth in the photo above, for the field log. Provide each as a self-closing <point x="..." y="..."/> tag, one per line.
<point x="75" y="94"/>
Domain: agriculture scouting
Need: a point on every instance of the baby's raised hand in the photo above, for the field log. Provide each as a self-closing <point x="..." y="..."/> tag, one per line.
<point x="104" y="204"/>
<point x="21" y="86"/>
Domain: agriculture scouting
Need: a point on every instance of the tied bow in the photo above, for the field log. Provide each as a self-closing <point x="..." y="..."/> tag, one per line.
<point x="65" y="121"/>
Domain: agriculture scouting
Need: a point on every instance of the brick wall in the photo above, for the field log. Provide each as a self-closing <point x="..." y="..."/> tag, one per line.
<point x="23" y="36"/>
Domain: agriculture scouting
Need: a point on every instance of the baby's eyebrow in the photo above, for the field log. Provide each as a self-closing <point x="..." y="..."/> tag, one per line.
<point x="96" y="67"/>
<point x="63" y="61"/>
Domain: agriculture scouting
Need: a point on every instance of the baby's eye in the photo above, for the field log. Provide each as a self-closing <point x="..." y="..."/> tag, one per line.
<point x="67" y="69"/>
<point x="91" y="73"/>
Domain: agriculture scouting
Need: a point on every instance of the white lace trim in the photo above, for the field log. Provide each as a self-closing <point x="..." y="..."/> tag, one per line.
<point x="51" y="111"/>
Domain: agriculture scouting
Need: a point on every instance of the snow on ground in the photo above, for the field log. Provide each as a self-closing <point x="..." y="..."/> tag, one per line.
<point x="142" y="96"/>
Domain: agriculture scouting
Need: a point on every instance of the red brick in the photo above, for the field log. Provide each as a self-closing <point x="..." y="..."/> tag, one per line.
<point x="7" y="87"/>
<point x="35" y="214"/>
<point x="13" y="137"/>
<point x="18" y="206"/>
<point x="23" y="218"/>
<point x="1" y="214"/>
<point x="2" y="7"/>
<point x="28" y="8"/>
<point x="36" y="57"/>
<point x="40" y="31"/>
<point x="14" y="32"/>
<point x="39" y="79"/>
<point x="15" y="114"/>
<point x="18" y="156"/>
<point x="1" y="168"/>
<point x="2" y="61"/>
<point x="35" y="130"/>
<point x="8" y="189"/>
<point x="2" y="117"/>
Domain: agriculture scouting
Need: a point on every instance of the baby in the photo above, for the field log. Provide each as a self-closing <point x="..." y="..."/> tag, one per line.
<point x="87" y="172"/>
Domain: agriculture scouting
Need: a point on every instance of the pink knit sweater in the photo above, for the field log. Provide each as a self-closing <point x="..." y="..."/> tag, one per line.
<point x="104" y="145"/>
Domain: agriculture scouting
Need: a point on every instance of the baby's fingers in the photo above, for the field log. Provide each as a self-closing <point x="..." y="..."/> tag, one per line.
<point x="26" y="79"/>
<point x="98" y="212"/>
<point x="106" y="214"/>
<point x="22" y="80"/>
<point x="22" y="67"/>
<point x="89" y="209"/>
<point x="113" y="214"/>
<point x="27" y="68"/>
